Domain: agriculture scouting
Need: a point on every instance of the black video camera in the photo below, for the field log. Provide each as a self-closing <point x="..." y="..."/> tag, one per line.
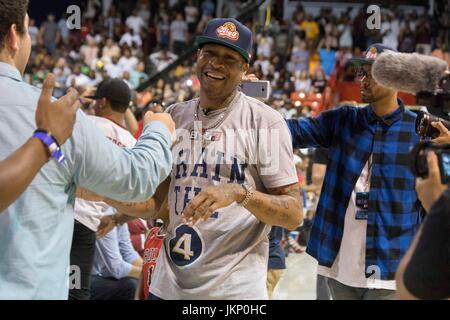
<point x="419" y="165"/>
<point x="438" y="106"/>
<point x="423" y="125"/>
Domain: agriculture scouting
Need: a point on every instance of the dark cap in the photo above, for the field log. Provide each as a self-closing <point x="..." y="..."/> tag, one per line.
<point x="230" y="33"/>
<point x="372" y="52"/>
<point x="114" y="90"/>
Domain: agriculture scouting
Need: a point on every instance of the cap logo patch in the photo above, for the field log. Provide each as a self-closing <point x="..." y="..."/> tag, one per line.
<point x="372" y="53"/>
<point x="228" y="30"/>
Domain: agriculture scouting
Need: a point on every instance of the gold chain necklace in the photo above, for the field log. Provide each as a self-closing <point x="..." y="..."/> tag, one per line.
<point x="228" y="106"/>
<point x="226" y="111"/>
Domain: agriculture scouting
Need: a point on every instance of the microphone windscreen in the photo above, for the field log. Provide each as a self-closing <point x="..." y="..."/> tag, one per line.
<point x="408" y="72"/>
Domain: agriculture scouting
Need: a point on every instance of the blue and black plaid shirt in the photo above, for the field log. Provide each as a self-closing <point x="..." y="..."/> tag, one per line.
<point x="352" y="134"/>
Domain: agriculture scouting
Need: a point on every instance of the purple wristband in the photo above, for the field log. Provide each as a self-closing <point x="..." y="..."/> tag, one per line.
<point x="51" y="143"/>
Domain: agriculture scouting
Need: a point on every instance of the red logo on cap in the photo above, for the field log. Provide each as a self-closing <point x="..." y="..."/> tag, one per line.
<point x="228" y="30"/>
<point x="372" y="53"/>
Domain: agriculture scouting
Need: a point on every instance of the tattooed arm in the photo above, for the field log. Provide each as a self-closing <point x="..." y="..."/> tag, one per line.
<point x="145" y="210"/>
<point x="107" y="223"/>
<point x="280" y="207"/>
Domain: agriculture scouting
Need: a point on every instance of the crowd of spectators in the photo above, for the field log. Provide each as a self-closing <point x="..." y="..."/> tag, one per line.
<point x="135" y="40"/>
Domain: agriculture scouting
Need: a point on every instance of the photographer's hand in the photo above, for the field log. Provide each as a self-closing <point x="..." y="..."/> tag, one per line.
<point x="431" y="188"/>
<point x="249" y="77"/>
<point x="444" y="134"/>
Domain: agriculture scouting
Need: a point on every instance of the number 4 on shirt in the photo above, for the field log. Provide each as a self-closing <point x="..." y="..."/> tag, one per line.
<point x="186" y="247"/>
<point x="183" y="246"/>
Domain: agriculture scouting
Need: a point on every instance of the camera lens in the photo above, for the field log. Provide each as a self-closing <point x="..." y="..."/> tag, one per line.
<point x="418" y="159"/>
<point x="424" y="127"/>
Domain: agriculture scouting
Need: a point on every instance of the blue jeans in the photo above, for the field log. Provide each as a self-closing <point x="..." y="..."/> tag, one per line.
<point x="340" y="291"/>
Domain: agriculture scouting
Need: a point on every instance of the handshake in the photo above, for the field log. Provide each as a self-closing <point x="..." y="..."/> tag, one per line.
<point x="58" y="116"/>
<point x="165" y="118"/>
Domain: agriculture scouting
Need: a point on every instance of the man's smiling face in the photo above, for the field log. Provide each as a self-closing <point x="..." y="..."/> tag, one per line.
<point x="219" y="70"/>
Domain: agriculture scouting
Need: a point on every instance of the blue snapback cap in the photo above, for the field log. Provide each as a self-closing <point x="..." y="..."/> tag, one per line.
<point x="371" y="54"/>
<point x="230" y="33"/>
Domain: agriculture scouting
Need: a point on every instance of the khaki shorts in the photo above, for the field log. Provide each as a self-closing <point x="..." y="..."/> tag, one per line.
<point x="273" y="276"/>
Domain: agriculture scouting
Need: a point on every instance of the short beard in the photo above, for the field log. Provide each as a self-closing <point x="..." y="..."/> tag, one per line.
<point x="367" y="98"/>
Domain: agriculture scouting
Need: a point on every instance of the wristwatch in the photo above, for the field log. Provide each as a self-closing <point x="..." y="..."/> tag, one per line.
<point x="249" y="190"/>
<point x="50" y="142"/>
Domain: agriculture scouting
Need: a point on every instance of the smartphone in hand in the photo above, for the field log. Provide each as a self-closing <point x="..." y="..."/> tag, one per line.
<point x="256" y="89"/>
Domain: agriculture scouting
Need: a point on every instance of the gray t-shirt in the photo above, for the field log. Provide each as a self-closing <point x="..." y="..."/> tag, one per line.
<point x="50" y="32"/>
<point x="178" y="29"/>
<point x="226" y="256"/>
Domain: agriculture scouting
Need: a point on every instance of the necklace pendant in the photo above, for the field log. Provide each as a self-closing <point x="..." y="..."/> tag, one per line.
<point x="205" y="141"/>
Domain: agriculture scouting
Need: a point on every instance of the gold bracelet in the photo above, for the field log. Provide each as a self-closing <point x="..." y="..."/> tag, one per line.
<point x="248" y="194"/>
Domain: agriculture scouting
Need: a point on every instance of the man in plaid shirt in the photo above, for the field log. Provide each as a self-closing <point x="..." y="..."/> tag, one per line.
<point x="368" y="211"/>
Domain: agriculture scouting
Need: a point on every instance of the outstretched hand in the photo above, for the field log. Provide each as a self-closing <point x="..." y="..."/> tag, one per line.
<point x="165" y="118"/>
<point x="107" y="223"/>
<point x="57" y="117"/>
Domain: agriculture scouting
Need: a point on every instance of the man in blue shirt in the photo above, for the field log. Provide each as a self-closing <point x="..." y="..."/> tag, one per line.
<point x="117" y="266"/>
<point x="368" y="212"/>
<point x="327" y="59"/>
<point x="36" y="230"/>
<point x="18" y="169"/>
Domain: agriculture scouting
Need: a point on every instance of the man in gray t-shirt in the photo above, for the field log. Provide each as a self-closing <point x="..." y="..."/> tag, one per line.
<point x="233" y="176"/>
<point x="49" y="34"/>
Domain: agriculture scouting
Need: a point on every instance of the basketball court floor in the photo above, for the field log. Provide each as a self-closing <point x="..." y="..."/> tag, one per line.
<point x="299" y="279"/>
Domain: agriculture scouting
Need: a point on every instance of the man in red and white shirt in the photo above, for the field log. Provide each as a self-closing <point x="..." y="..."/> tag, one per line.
<point x="112" y="99"/>
<point x="152" y="246"/>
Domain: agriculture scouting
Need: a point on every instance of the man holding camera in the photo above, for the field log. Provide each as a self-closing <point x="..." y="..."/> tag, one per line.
<point x="368" y="211"/>
<point x="424" y="272"/>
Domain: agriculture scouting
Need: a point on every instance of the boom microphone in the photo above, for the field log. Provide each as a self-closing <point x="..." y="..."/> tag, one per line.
<point x="408" y="72"/>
